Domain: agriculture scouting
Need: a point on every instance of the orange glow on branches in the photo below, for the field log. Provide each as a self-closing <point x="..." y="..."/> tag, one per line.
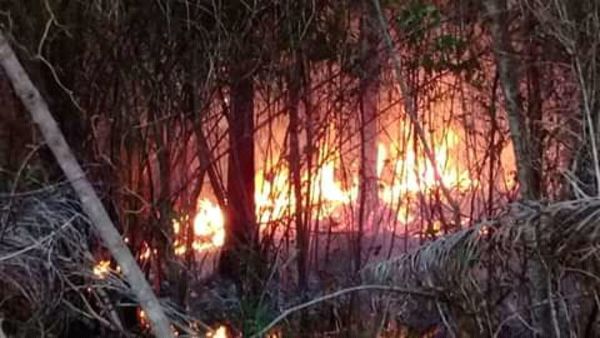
<point x="403" y="171"/>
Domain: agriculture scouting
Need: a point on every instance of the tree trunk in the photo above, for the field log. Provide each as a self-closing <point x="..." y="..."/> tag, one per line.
<point x="91" y="204"/>
<point x="163" y="234"/>
<point x="369" y="91"/>
<point x="241" y="230"/>
<point x="302" y="231"/>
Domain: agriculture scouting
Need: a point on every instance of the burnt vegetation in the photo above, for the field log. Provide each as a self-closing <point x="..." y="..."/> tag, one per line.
<point x="299" y="168"/>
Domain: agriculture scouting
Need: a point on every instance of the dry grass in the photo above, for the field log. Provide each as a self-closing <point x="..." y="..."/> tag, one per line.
<point x="46" y="270"/>
<point x="479" y="275"/>
<point x="45" y="263"/>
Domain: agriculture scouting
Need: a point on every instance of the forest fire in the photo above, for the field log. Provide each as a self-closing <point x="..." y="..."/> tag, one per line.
<point x="299" y="168"/>
<point x="401" y="170"/>
<point x="415" y="173"/>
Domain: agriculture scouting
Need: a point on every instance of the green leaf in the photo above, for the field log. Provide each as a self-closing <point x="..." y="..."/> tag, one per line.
<point x="416" y="19"/>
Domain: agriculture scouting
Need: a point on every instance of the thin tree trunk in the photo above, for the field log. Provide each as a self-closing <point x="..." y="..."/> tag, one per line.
<point x="91" y="204"/>
<point x="534" y="112"/>
<point x="369" y="91"/>
<point x="302" y="230"/>
<point x="241" y="230"/>
<point x="163" y="235"/>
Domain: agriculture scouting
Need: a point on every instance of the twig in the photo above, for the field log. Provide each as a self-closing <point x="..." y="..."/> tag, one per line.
<point x="444" y="319"/>
<point x="37" y="244"/>
<point x="336" y="294"/>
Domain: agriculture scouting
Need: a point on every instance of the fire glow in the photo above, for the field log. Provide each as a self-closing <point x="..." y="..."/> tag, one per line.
<point x="102" y="268"/>
<point x="220" y="332"/>
<point x="401" y="170"/>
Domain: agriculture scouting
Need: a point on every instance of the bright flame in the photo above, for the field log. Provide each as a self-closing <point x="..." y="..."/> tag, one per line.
<point x="402" y="172"/>
<point x="144" y="322"/>
<point x="146" y="252"/>
<point x="102" y="268"/>
<point x="209" y="226"/>
<point x="275" y="199"/>
<point x="272" y="197"/>
<point x="415" y="173"/>
<point x="220" y="332"/>
<point x="143" y="319"/>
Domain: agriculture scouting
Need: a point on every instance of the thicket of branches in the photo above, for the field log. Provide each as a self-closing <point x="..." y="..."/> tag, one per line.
<point x="169" y="101"/>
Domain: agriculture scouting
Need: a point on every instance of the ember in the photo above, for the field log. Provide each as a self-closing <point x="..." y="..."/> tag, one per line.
<point x="102" y="268"/>
<point x="220" y="332"/>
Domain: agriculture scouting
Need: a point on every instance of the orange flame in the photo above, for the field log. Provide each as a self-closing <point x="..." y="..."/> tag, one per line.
<point x="146" y="252"/>
<point x="413" y="173"/>
<point x="143" y="319"/>
<point x="220" y="332"/>
<point x="102" y="268"/>
<point x="402" y="172"/>
<point x="208" y="226"/>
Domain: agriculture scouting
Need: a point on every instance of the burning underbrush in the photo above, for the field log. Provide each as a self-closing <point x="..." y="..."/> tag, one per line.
<point x="55" y="280"/>
<point x="44" y="263"/>
<point x="409" y="209"/>
<point x="421" y="198"/>
<point x="406" y="180"/>
<point x="475" y="280"/>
